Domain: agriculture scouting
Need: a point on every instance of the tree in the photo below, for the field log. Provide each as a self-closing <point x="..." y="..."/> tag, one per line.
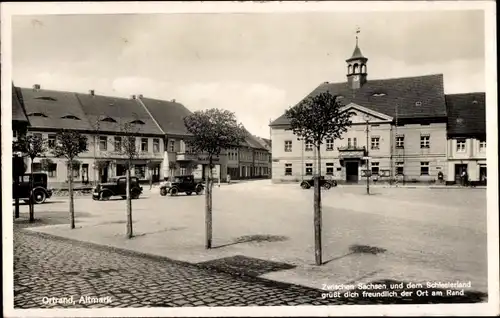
<point x="314" y="120"/>
<point x="130" y="150"/>
<point x="212" y="130"/>
<point x="172" y="165"/>
<point x="69" y="145"/>
<point x="45" y="164"/>
<point x="32" y="146"/>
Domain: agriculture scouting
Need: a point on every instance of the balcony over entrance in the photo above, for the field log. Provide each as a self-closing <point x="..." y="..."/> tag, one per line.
<point x="351" y="152"/>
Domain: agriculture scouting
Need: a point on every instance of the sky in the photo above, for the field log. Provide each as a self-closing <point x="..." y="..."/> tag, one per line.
<point x="254" y="64"/>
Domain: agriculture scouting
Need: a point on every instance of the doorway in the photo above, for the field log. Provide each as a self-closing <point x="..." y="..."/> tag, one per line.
<point x="120" y="169"/>
<point x="104" y="174"/>
<point x="85" y="173"/>
<point x="351" y="169"/>
<point x="459" y="168"/>
<point x="482" y="174"/>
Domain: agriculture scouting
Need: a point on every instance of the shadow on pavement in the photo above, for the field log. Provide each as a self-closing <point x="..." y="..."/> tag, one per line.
<point x="258" y="238"/>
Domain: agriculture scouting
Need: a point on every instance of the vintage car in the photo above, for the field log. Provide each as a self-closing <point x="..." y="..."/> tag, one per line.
<point x="117" y="186"/>
<point x="323" y="182"/>
<point x="40" y="190"/>
<point x="181" y="184"/>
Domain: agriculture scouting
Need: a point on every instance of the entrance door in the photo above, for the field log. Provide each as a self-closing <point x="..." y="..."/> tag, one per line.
<point x="85" y="173"/>
<point x="482" y="174"/>
<point x="104" y="174"/>
<point x="156" y="173"/>
<point x="351" y="172"/>
<point x="459" y="168"/>
<point x="120" y="169"/>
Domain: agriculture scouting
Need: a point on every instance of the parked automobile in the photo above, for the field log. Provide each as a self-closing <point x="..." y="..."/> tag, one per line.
<point x="117" y="186"/>
<point x="323" y="182"/>
<point x="181" y="184"/>
<point x="40" y="190"/>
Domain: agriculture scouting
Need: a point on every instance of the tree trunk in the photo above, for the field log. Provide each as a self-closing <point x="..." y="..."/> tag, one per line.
<point x="31" y="198"/>
<point x="317" y="212"/>
<point x="129" y="204"/>
<point x="208" y="205"/>
<point x="71" y="197"/>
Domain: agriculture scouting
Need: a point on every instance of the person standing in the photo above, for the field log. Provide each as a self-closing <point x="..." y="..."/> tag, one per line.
<point x="228" y="178"/>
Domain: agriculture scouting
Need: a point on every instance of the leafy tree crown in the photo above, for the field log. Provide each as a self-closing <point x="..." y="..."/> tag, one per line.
<point x="320" y="117"/>
<point x="69" y="144"/>
<point x="213" y="130"/>
<point x="30" y="145"/>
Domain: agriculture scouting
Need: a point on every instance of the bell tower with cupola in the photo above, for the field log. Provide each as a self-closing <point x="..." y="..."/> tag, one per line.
<point x="356" y="67"/>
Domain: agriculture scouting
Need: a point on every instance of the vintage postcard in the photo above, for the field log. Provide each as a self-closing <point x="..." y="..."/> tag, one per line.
<point x="249" y="158"/>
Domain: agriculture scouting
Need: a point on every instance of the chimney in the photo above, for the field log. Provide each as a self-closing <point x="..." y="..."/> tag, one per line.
<point x="139" y="96"/>
<point x="173" y="100"/>
<point x="92" y="92"/>
<point x="133" y="97"/>
<point x="36" y="87"/>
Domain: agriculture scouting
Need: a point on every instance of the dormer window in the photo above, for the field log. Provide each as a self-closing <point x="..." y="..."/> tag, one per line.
<point x="378" y="94"/>
<point x="70" y="117"/>
<point x="340" y="96"/>
<point x="37" y="115"/>
<point x="52" y="99"/>
<point x="419" y="103"/>
<point x="474" y="102"/>
<point x="109" y="120"/>
<point x="137" y="122"/>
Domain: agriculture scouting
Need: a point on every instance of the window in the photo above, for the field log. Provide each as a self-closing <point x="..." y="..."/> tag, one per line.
<point x="425" y="141"/>
<point x="460" y="145"/>
<point x="424" y="168"/>
<point x="140" y="171"/>
<point x="400" y="142"/>
<point x="144" y="144"/>
<point x="14" y="133"/>
<point x="354" y="142"/>
<point x="52" y="170"/>
<point x="375" y="168"/>
<point x="349" y="143"/>
<point x="156" y="145"/>
<point x="118" y="143"/>
<point x="482" y="145"/>
<point x="375" y="142"/>
<point x="38" y="135"/>
<point x="171" y="145"/>
<point x="37" y="167"/>
<point x="288" y="146"/>
<point x="76" y="171"/>
<point x="309" y="146"/>
<point x="288" y="169"/>
<point x="309" y="169"/>
<point x="52" y="141"/>
<point x="137" y="122"/>
<point x="182" y="170"/>
<point x="329" y="168"/>
<point x="103" y="143"/>
<point x="329" y="144"/>
<point x="418" y="103"/>
<point x="109" y="120"/>
<point x="399" y="168"/>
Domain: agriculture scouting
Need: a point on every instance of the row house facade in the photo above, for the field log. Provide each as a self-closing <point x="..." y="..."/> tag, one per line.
<point x="466" y="137"/>
<point x="157" y="127"/>
<point x="399" y="132"/>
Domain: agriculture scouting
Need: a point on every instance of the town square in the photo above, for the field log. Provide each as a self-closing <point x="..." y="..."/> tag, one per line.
<point x="276" y="160"/>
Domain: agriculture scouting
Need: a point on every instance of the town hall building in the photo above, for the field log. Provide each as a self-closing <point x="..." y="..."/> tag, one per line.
<point x="398" y="132"/>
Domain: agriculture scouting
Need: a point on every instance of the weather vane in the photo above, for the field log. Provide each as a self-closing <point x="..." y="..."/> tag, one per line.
<point x="358" y="30"/>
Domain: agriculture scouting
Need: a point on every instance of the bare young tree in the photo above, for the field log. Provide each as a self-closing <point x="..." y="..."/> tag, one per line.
<point x="172" y="166"/>
<point x="314" y="120"/>
<point x="32" y="146"/>
<point x="131" y="151"/>
<point x="212" y="131"/>
<point x="69" y="145"/>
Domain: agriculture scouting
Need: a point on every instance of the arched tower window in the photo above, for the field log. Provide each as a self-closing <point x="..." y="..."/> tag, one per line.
<point x="355" y="68"/>
<point x="363" y="68"/>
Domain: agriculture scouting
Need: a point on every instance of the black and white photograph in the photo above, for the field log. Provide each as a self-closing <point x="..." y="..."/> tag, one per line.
<point x="249" y="158"/>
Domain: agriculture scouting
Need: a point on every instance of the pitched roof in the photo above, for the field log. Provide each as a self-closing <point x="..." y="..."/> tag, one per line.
<point x="45" y="109"/>
<point x="466" y="114"/>
<point x="18" y="111"/>
<point x="121" y="110"/>
<point x="415" y="97"/>
<point x="266" y="143"/>
<point x="168" y="114"/>
<point x="253" y="142"/>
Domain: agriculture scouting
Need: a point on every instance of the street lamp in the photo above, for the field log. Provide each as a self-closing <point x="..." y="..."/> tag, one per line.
<point x="367" y="118"/>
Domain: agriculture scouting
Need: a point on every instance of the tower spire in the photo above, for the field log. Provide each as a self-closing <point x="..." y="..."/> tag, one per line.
<point x="356" y="65"/>
<point x="358" y="31"/>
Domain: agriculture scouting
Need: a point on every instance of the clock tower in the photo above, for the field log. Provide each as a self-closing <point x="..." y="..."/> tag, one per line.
<point x="356" y="67"/>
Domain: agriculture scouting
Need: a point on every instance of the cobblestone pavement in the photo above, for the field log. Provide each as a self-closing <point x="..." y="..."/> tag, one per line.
<point x="45" y="267"/>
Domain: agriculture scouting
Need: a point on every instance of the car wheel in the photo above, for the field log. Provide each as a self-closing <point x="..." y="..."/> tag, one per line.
<point x="327" y="185"/>
<point x="135" y="194"/>
<point x="304" y="185"/>
<point x="174" y="191"/>
<point x="39" y="197"/>
<point x="104" y="195"/>
<point x="163" y="192"/>
<point x="188" y="192"/>
<point x="199" y="190"/>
